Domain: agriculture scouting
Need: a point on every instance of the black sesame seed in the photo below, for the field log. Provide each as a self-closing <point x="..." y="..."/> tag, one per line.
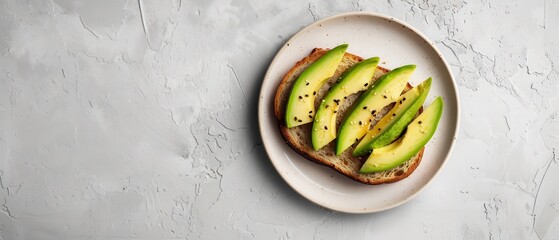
<point x="366" y="84"/>
<point x="393" y="114"/>
<point x="300" y="97"/>
<point x="345" y="97"/>
<point x="379" y="129"/>
<point x="385" y="96"/>
<point x="404" y="99"/>
<point x="335" y="111"/>
<point x="357" y="139"/>
<point x="306" y="95"/>
<point x="295" y="118"/>
<point x="310" y="111"/>
<point x="310" y="116"/>
<point x="326" y="106"/>
<point x="373" y="112"/>
<point x="360" y="123"/>
<point x="299" y="120"/>
<point x="419" y="122"/>
<point x="400" y="101"/>
<point x="314" y="93"/>
<point x="307" y="84"/>
<point x="365" y="107"/>
<point x="325" y="127"/>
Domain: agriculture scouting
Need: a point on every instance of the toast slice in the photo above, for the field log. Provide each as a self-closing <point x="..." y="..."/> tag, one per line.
<point x="299" y="138"/>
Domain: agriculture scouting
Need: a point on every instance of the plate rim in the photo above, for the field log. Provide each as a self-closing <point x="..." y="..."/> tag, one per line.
<point x="261" y="109"/>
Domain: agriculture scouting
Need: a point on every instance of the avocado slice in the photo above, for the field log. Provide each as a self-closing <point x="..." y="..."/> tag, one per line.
<point x="300" y="105"/>
<point x="352" y="81"/>
<point x="391" y="126"/>
<point x="418" y="133"/>
<point x="383" y="91"/>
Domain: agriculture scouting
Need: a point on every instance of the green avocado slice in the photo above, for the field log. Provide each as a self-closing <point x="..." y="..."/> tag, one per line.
<point x="393" y="124"/>
<point x="418" y="133"/>
<point x="300" y="105"/>
<point x="352" y="81"/>
<point x="383" y="92"/>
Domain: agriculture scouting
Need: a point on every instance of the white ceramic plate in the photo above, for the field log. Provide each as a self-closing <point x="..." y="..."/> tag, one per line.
<point x="368" y="35"/>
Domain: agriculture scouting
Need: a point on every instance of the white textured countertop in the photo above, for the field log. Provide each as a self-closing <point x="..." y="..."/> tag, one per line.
<point x="138" y="120"/>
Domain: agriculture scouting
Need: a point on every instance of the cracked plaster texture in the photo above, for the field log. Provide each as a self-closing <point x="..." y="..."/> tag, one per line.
<point x="136" y="119"/>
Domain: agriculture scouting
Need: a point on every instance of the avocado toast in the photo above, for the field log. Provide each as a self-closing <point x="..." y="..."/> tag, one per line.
<point x="299" y="137"/>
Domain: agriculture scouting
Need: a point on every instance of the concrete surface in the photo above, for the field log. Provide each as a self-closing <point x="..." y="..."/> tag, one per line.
<point x="136" y="119"/>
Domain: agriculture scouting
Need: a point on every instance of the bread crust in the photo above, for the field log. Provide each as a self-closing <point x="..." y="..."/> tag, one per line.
<point x="298" y="138"/>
